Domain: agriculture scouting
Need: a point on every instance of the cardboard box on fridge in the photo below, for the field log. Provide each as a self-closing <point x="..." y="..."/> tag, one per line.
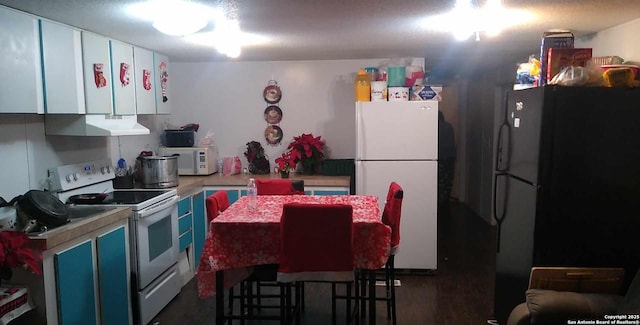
<point x="552" y="39"/>
<point x="426" y="92"/>
<point x="560" y="58"/>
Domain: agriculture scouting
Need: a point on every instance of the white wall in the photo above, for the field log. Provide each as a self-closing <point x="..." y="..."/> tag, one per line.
<point x="621" y="40"/>
<point x="226" y="98"/>
<point x="26" y="153"/>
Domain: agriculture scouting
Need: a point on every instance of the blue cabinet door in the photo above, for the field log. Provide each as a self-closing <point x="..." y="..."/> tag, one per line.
<point x="199" y="226"/>
<point x="75" y="285"/>
<point x="112" y="277"/>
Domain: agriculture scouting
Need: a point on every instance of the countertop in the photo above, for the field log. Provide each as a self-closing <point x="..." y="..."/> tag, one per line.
<point x="188" y="184"/>
<point x="78" y="227"/>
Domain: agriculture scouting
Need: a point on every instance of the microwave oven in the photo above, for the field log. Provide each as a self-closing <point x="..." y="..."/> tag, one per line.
<point x="194" y="160"/>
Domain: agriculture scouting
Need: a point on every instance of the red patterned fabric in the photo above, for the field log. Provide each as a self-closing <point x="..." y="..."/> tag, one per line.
<point x="276" y="187"/>
<point x="240" y="238"/>
<point x="392" y="212"/>
<point x="316" y="242"/>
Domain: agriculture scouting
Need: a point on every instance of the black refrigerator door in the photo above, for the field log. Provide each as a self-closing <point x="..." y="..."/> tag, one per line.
<point x="524" y="115"/>
<point x="516" y="203"/>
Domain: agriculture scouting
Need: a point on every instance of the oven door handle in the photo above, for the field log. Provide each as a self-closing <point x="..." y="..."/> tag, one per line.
<point x="157" y="207"/>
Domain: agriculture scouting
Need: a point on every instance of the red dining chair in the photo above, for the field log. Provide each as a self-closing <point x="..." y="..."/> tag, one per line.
<point x="213" y="210"/>
<point x="279" y="186"/>
<point x="317" y="245"/>
<point x="216" y="203"/>
<point x="391" y="214"/>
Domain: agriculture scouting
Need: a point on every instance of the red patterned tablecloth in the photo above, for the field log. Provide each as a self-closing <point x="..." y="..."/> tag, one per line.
<point x="240" y="238"/>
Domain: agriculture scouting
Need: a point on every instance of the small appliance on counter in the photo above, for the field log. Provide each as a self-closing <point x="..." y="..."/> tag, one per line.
<point x="159" y="171"/>
<point x="194" y="160"/>
<point x="181" y="137"/>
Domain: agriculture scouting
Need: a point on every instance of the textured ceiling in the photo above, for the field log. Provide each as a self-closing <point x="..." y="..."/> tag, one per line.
<point x="340" y="29"/>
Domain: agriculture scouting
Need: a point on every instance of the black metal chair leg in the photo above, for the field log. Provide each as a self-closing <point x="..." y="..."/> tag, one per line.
<point x="393" y="290"/>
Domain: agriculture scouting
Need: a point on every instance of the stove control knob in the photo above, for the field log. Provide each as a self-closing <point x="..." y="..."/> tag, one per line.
<point x="103" y="170"/>
<point x="69" y="177"/>
<point x="75" y="176"/>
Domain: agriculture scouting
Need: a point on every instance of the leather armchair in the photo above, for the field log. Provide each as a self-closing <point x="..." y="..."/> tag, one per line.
<point x="548" y="307"/>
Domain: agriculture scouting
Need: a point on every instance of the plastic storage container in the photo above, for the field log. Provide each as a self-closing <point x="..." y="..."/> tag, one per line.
<point x="362" y="86"/>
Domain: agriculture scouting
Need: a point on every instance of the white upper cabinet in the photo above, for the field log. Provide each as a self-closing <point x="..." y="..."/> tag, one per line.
<point x="20" y="71"/>
<point x="62" y="69"/>
<point x="162" y="78"/>
<point x="96" y="63"/>
<point x="145" y="82"/>
<point x="123" y="78"/>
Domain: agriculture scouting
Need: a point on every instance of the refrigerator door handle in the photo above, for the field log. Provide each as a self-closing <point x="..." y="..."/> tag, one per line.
<point x="502" y="164"/>
<point x="499" y="217"/>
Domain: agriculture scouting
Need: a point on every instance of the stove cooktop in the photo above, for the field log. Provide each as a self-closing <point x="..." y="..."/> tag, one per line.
<point x="126" y="197"/>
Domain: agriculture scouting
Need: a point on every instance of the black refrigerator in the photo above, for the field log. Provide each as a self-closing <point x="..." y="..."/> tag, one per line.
<point x="567" y="184"/>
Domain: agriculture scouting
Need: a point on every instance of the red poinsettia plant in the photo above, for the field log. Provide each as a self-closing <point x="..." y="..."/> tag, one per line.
<point x="286" y="162"/>
<point x="307" y="150"/>
<point x="14" y="253"/>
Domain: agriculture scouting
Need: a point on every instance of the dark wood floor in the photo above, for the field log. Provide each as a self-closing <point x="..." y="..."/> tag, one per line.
<point x="460" y="292"/>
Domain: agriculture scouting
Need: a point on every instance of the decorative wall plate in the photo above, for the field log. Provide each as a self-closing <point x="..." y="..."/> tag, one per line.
<point x="273" y="134"/>
<point x="273" y="114"/>
<point x="272" y="93"/>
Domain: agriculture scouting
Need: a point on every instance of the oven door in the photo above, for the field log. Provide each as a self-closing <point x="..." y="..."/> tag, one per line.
<point x="156" y="239"/>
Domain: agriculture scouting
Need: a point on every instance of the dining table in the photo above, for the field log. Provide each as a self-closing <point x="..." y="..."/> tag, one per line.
<point x="242" y="237"/>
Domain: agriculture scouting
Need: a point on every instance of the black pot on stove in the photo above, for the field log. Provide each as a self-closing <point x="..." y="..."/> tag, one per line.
<point x="42" y="207"/>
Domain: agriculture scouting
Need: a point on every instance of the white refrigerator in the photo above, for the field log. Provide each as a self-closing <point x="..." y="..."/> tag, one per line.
<point x="398" y="141"/>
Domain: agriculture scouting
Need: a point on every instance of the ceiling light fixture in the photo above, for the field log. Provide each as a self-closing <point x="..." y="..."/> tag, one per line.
<point x="174" y="17"/>
<point x="466" y="20"/>
<point x="227" y="38"/>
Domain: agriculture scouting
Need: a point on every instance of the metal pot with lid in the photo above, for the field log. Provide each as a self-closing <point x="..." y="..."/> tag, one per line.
<point x="159" y="171"/>
<point x="42" y="207"/>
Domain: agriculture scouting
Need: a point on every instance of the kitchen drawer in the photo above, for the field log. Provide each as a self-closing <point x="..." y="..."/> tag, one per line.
<point x="185" y="240"/>
<point x="184" y="206"/>
<point x="184" y="223"/>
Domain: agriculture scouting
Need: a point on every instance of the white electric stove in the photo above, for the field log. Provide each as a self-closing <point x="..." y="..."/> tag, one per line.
<point x="153" y="230"/>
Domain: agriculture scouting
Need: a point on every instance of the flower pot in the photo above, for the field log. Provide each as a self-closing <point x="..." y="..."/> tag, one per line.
<point x="284" y="174"/>
<point x="309" y="168"/>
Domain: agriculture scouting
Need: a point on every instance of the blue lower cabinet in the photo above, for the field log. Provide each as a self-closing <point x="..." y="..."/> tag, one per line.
<point x="75" y="286"/>
<point x="112" y="275"/>
<point x="199" y="226"/>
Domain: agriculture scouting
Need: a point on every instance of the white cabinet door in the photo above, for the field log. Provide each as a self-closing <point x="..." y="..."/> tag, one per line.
<point x="145" y="82"/>
<point x="62" y="69"/>
<point x="162" y="77"/>
<point x="20" y="72"/>
<point x="122" y="78"/>
<point x="97" y="74"/>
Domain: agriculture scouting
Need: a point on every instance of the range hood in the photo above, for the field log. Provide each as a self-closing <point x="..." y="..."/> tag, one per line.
<point x="93" y="125"/>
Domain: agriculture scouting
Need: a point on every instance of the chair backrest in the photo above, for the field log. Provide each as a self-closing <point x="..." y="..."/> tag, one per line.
<point x="216" y="203"/>
<point x="316" y="243"/>
<point x="279" y="186"/>
<point x="222" y="198"/>
<point x="212" y="207"/>
<point x="392" y="212"/>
